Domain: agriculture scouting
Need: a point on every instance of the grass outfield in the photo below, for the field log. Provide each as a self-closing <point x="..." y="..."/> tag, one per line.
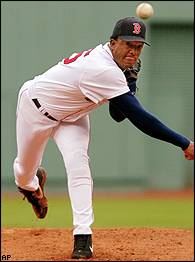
<point x="108" y="211"/>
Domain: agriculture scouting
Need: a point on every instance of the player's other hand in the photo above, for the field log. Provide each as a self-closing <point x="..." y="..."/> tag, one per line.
<point x="189" y="151"/>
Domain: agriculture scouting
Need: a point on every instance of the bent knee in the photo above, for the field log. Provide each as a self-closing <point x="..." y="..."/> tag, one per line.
<point x="22" y="173"/>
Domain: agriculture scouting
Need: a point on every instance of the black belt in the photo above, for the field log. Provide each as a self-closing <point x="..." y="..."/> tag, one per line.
<point x="46" y="114"/>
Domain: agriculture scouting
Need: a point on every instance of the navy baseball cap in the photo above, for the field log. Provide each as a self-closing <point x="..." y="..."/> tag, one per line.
<point x="130" y="29"/>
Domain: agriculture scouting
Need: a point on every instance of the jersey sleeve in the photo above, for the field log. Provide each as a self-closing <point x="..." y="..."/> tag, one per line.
<point x="98" y="85"/>
<point x="147" y="122"/>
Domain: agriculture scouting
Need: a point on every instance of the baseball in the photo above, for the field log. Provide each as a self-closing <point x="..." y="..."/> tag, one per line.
<point x="144" y="10"/>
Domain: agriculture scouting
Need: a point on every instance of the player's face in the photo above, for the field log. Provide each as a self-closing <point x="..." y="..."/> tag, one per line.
<point x="125" y="53"/>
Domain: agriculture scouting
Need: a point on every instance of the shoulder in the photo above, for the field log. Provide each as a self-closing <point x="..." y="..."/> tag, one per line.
<point x="104" y="72"/>
<point x="101" y="63"/>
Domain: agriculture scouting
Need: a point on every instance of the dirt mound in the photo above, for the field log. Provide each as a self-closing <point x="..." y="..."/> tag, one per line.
<point x="115" y="244"/>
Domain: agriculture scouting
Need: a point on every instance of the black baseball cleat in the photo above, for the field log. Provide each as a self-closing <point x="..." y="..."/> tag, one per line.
<point x="82" y="246"/>
<point x="37" y="198"/>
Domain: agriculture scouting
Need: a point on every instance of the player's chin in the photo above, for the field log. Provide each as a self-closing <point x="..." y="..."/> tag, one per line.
<point x="128" y="63"/>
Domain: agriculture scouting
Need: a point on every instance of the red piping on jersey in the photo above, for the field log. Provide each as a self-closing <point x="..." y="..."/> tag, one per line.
<point x="70" y="60"/>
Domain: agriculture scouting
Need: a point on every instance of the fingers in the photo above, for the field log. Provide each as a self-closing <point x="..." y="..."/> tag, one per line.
<point x="189" y="152"/>
<point x="189" y="157"/>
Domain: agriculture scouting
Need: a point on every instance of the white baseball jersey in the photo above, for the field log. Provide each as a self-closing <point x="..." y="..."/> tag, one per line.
<point x="68" y="92"/>
<point x="78" y="84"/>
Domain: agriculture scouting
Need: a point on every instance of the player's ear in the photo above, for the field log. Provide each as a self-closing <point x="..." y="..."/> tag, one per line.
<point x="112" y="42"/>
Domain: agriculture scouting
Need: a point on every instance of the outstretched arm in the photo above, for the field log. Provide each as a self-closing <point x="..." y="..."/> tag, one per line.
<point x="149" y="124"/>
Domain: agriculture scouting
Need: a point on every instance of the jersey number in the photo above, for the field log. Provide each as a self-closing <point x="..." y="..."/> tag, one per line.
<point x="70" y="60"/>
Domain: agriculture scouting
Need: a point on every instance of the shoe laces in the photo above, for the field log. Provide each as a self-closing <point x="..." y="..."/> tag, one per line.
<point x="81" y="242"/>
<point x="32" y="196"/>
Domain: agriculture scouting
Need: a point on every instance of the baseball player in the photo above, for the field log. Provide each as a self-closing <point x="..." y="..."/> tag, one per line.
<point x="57" y="104"/>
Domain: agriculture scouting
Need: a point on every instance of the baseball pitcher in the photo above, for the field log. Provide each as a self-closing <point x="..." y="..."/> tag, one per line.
<point x="57" y="104"/>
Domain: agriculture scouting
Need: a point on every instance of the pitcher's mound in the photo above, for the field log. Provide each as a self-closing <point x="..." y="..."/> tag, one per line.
<point x="115" y="244"/>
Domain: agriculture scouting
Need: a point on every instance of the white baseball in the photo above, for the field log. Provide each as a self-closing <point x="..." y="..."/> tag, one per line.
<point x="144" y="10"/>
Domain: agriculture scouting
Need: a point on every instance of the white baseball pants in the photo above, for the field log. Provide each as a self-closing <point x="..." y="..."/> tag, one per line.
<point x="33" y="130"/>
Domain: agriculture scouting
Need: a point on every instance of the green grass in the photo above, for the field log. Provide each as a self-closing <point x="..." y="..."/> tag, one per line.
<point x="109" y="212"/>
